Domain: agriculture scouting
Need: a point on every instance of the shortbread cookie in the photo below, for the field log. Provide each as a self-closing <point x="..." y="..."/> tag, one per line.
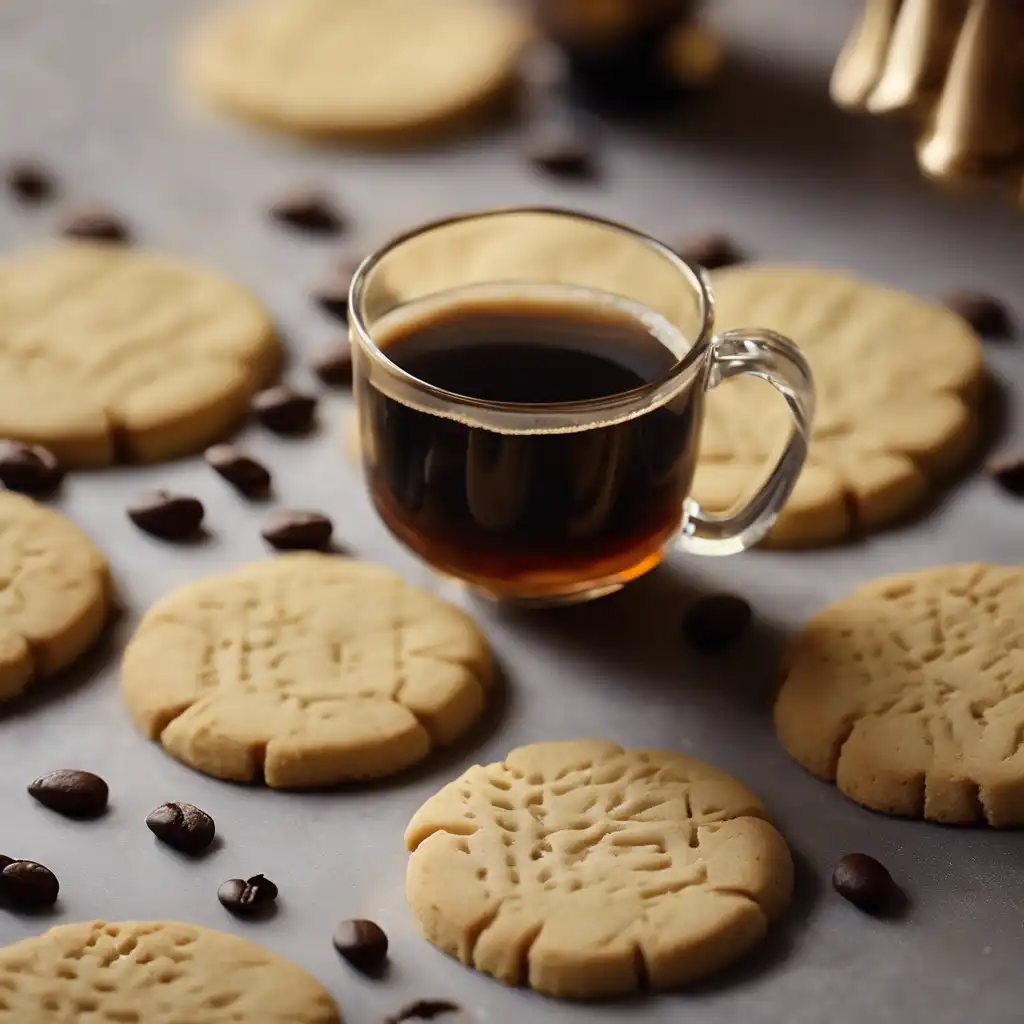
<point x="586" y="870"/>
<point x="307" y="670"/>
<point x="54" y="593"/>
<point x="370" y="69"/>
<point x="897" y="380"/>
<point x="909" y="693"/>
<point x="152" y="972"/>
<point x="109" y="353"/>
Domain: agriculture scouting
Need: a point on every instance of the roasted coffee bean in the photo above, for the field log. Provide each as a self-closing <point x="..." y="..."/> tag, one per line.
<point x="309" y="210"/>
<point x="94" y="224"/>
<point x="985" y="313"/>
<point x="426" y="1009"/>
<point x="363" y="944"/>
<point x="1008" y="472"/>
<point x="75" y="793"/>
<point x="284" y="410"/>
<point x="711" y="251"/>
<point x="182" y="826"/>
<point x="168" y="516"/>
<point x="330" y="293"/>
<point x="247" y="897"/>
<point x="29" y="468"/>
<point x="716" y="622"/>
<point x="241" y="470"/>
<point x="333" y="365"/>
<point x="559" y="149"/>
<point x="28" y="885"/>
<point x="294" y="530"/>
<point x="4" y="861"/>
<point x="865" y="883"/>
<point x="30" y="182"/>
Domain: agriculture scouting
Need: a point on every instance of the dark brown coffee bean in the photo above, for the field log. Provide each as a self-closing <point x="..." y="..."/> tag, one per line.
<point x="559" y="149"/>
<point x="28" y="885"/>
<point x="241" y="470"/>
<point x="711" y="251"/>
<point x="985" y="313"/>
<point x="309" y="210"/>
<point x="4" y="861"/>
<point x="247" y="897"/>
<point x="284" y="410"/>
<point x="1008" y="472"/>
<point x="330" y="293"/>
<point x="29" y="468"/>
<point x="75" y="793"/>
<point x="182" y="826"/>
<point x="168" y="516"/>
<point x="716" y="622"/>
<point x="363" y="944"/>
<point x="865" y="883"/>
<point x="333" y="365"/>
<point x="94" y="224"/>
<point x="425" y="1009"/>
<point x="30" y="182"/>
<point x="295" y="530"/>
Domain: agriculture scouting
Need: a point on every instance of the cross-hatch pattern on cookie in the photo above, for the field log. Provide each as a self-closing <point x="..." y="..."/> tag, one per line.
<point x="306" y="670"/>
<point x="897" y="381"/>
<point x="109" y="353"/>
<point x="586" y="870"/>
<point x="154" y="972"/>
<point x="910" y="693"/>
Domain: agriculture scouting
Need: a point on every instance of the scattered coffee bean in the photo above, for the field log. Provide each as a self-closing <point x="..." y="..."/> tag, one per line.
<point x="182" y="826"/>
<point x="1008" y="472"/>
<point x="985" y="313"/>
<point x="309" y="210"/>
<point x="75" y="793"/>
<point x="558" y="148"/>
<point x="363" y="944"/>
<point x="865" y="883"/>
<point x="284" y="410"/>
<point x="241" y="470"/>
<point x="247" y="897"/>
<point x="94" y="224"/>
<point x="295" y="530"/>
<point x="29" y="468"/>
<point x="28" y="885"/>
<point x="711" y="251"/>
<point x="330" y="293"/>
<point x="30" y="182"/>
<point x="4" y="861"/>
<point x="333" y="365"/>
<point x="168" y="516"/>
<point x="425" y="1009"/>
<point x="716" y="622"/>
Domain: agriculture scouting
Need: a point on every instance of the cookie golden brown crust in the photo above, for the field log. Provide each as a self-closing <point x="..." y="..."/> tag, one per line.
<point x="55" y="594"/>
<point x="389" y="71"/>
<point x="897" y="382"/>
<point x="585" y="870"/>
<point x="154" y="972"/>
<point x="109" y="353"/>
<point x="305" y="670"/>
<point x="906" y="693"/>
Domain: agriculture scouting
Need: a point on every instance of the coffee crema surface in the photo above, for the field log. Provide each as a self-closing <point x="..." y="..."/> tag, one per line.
<point x="517" y="510"/>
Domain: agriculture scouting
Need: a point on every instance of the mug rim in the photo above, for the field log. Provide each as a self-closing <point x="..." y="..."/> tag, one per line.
<point x="680" y="369"/>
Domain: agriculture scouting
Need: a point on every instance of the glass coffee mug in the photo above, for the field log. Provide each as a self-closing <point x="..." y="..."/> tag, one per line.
<point x="530" y="386"/>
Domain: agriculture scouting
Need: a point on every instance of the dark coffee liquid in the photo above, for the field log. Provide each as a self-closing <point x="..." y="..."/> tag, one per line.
<point x="530" y="511"/>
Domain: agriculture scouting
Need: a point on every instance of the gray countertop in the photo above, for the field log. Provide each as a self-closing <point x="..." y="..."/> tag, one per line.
<point x="88" y="85"/>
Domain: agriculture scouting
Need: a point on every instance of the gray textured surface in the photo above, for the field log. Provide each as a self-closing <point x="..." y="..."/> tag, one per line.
<point x="88" y="85"/>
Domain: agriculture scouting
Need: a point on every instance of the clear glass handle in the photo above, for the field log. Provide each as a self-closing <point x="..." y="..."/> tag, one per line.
<point x="777" y="360"/>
